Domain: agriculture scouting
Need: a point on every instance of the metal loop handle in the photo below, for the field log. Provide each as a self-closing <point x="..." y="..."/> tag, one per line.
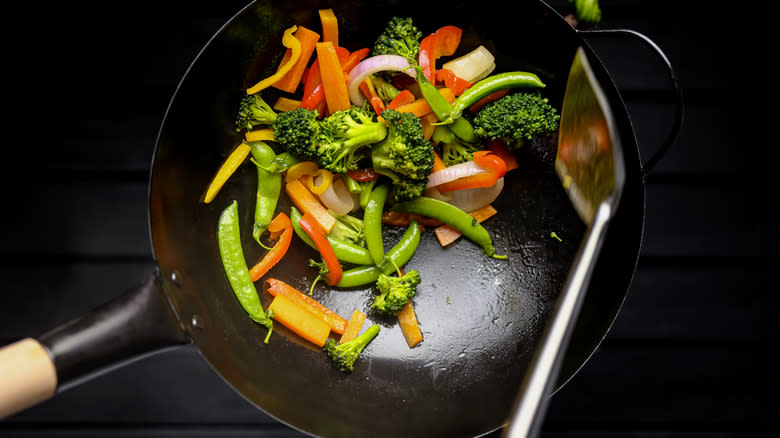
<point x="678" y="119"/>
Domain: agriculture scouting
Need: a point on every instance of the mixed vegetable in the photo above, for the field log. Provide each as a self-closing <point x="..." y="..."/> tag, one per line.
<point x="367" y="138"/>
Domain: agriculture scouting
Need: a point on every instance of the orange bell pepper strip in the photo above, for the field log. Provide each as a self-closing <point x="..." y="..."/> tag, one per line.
<point x="498" y="147"/>
<point x="277" y="287"/>
<point x="227" y="169"/>
<point x="289" y="41"/>
<point x="330" y="26"/>
<point x="420" y="107"/>
<point x="334" y="84"/>
<point x="407" y="320"/>
<point x="318" y="235"/>
<point x="297" y="319"/>
<point x="281" y="230"/>
<point x="427" y="121"/>
<point x="354" y="324"/>
<point x="352" y="59"/>
<point x="445" y="234"/>
<point x="443" y="42"/>
<point x="305" y="201"/>
<point x="290" y="81"/>
<point x="405" y="97"/>
<point x="454" y="83"/>
<point x="495" y="169"/>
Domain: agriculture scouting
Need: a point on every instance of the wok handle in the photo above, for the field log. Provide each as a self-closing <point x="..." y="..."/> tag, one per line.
<point x="138" y="322"/>
<point x="678" y="117"/>
<point x="540" y="379"/>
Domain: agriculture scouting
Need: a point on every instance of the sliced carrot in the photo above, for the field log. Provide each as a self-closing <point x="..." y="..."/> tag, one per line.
<point x="297" y="319"/>
<point x="420" y="106"/>
<point x="290" y="81"/>
<point x="354" y="324"/>
<point x="277" y="287"/>
<point x="281" y="229"/>
<point x="410" y="328"/>
<point x="266" y="134"/>
<point x="330" y="26"/>
<point x="227" y="169"/>
<point x="307" y="203"/>
<point x="284" y="104"/>
<point x="334" y="85"/>
<point x="499" y="148"/>
<point x="446" y="234"/>
<point x="405" y="97"/>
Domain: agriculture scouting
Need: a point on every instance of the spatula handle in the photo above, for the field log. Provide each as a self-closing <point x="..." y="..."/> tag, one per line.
<point x="27" y="376"/>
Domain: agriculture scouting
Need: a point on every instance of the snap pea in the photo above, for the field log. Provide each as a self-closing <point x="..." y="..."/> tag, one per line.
<point x="454" y="217"/>
<point x="232" y="255"/>
<point x="460" y="126"/>
<point x="345" y="251"/>
<point x="372" y="219"/>
<point x="353" y="186"/>
<point x="269" y="185"/>
<point x="399" y="255"/>
<point x="487" y="86"/>
<point x="365" y="192"/>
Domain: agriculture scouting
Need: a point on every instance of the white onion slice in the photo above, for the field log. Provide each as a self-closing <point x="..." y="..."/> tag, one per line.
<point x="456" y="171"/>
<point x="472" y="66"/>
<point x="337" y="197"/>
<point x="469" y="200"/>
<point x="373" y="65"/>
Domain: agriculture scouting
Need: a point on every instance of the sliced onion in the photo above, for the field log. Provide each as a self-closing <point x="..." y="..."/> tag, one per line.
<point x="373" y="65"/>
<point x="451" y="173"/>
<point x="473" y="199"/>
<point x="337" y="197"/>
<point x="472" y="66"/>
<point x="433" y="192"/>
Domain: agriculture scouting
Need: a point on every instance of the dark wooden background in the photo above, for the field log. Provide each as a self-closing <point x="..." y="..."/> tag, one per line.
<point x="692" y="353"/>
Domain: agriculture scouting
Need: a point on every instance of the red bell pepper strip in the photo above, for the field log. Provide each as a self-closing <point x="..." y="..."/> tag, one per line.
<point x="495" y="168"/>
<point x="317" y="234"/>
<point x="363" y="175"/>
<point x="368" y="90"/>
<point x="454" y="83"/>
<point x="443" y="42"/>
<point x="498" y="147"/>
<point x="281" y="229"/>
<point x="492" y="97"/>
<point x="405" y="97"/>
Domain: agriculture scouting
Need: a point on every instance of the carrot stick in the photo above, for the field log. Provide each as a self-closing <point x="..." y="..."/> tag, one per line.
<point x="282" y="227"/>
<point x="330" y="26"/>
<point x="307" y="203"/>
<point x="407" y="320"/>
<point x="297" y="319"/>
<point x="333" y="82"/>
<point x="290" y="81"/>
<point x="354" y="324"/>
<point x="277" y="287"/>
<point x="446" y="234"/>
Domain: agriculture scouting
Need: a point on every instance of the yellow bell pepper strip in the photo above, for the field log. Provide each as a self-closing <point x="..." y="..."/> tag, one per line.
<point x="319" y="181"/>
<point x="284" y="104"/>
<point x="305" y="201"/>
<point x="301" y="169"/>
<point x="281" y="230"/>
<point x="266" y="134"/>
<point x="334" y="83"/>
<point x="277" y="287"/>
<point x="227" y="169"/>
<point x="330" y="26"/>
<point x="290" y="81"/>
<point x="292" y="43"/>
<point x="410" y="328"/>
<point x="318" y="236"/>
<point x="300" y="321"/>
<point x="493" y="164"/>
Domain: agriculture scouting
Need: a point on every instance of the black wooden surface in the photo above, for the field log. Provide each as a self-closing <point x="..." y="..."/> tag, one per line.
<point x="691" y="354"/>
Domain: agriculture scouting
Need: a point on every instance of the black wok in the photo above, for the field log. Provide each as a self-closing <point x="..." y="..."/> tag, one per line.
<point x="480" y="317"/>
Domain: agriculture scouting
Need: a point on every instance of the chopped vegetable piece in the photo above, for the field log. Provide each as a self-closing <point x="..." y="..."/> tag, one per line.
<point x="405" y="97"/>
<point x="395" y="291"/>
<point x="442" y="107"/>
<point x="446" y="234"/>
<point x="363" y="175"/>
<point x="289" y="41"/>
<point x="290" y="81"/>
<point x="227" y="169"/>
<point x="372" y="218"/>
<point x="330" y="26"/>
<point x="299" y="320"/>
<point x="443" y="42"/>
<point x="492" y="163"/>
<point x="260" y="135"/>
<point x="285" y="104"/>
<point x="344" y="355"/>
<point x="428" y="126"/>
<point x="404" y="219"/>
<point x="367" y="87"/>
<point x="334" y="84"/>
<point x="451" y="81"/>
<point x="346" y="251"/>
<point x="421" y="107"/>
<point x="354" y="324"/>
<point x="307" y="203"/>
<point x="499" y="148"/>
<point x="269" y="185"/>
<point x="281" y="230"/>
<point x="492" y="97"/>
<point x="407" y="320"/>
<point x="474" y="65"/>
<point x="318" y="236"/>
<point x="277" y="287"/>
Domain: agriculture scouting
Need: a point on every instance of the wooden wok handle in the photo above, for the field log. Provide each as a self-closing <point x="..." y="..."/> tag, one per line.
<point x="27" y="376"/>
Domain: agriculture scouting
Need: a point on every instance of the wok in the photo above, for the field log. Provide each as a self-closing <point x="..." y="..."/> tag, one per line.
<point x="480" y="317"/>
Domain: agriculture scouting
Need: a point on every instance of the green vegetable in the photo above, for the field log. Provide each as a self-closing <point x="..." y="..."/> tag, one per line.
<point x="587" y="10"/>
<point x="365" y="192"/>
<point x="232" y="255"/>
<point x="454" y="217"/>
<point x="384" y="89"/>
<point x="516" y="118"/>
<point x="399" y="37"/>
<point x="349" y="229"/>
<point x="280" y="163"/>
<point x="487" y="86"/>
<point x="344" y="355"/>
<point x="345" y="251"/>
<point x="353" y="186"/>
<point x="395" y="292"/>
<point x="269" y="185"/>
<point x="405" y="155"/>
<point x="459" y="126"/>
<point x="253" y="111"/>
<point x="298" y="132"/>
<point x="372" y="218"/>
<point x="452" y="149"/>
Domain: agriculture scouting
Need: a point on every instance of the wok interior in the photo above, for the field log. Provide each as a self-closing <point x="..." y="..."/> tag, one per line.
<point x="480" y="317"/>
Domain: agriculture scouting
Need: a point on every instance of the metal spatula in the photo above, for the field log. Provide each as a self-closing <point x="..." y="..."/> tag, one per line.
<point x="590" y="164"/>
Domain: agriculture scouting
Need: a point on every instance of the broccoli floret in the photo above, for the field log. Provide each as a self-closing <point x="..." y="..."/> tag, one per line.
<point x="344" y="355"/>
<point x="405" y="156"/>
<point x="344" y="133"/>
<point x="386" y="90"/>
<point x="395" y="292"/>
<point x="587" y="10"/>
<point x="254" y="111"/>
<point x="349" y="228"/>
<point x="452" y="149"/>
<point x="399" y="37"/>
<point x="516" y="118"/>
<point x="298" y="131"/>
